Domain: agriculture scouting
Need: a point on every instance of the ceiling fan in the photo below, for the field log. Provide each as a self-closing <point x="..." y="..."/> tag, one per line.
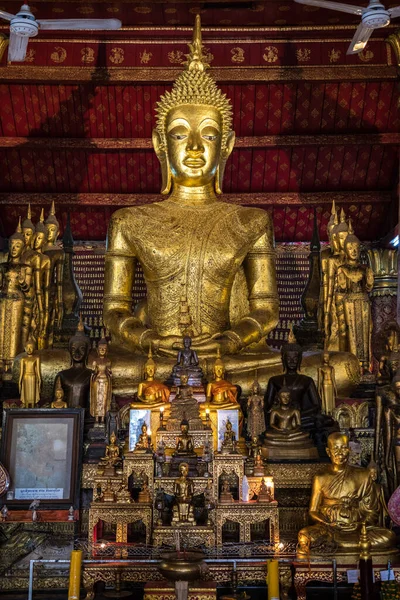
<point x="373" y="17"/>
<point x="23" y="26"/>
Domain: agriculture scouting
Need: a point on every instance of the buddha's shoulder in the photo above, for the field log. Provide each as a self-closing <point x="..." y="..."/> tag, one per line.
<point x="135" y="213"/>
<point x="253" y="215"/>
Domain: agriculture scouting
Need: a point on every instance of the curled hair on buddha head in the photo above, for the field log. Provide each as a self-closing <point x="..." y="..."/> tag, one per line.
<point x="51" y="219"/>
<point x="40" y="227"/>
<point x="284" y="389"/>
<point x="27" y="222"/>
<point x="342" y="225"/>
<point x="351" y="238"/>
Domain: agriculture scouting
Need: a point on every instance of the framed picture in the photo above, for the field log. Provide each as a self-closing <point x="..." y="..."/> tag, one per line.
<point x="223" y="416"/>
<point x="136" y="419"/>
<point x="42" y="451"/>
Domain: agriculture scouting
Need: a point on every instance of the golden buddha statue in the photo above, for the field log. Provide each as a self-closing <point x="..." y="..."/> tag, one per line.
<point x="284" y="439"/>
<point x="30" y="379"/>
<point x="151" y="391"/>
<point x="223" y="253"/>
<point x="327" y="385"/>
<point x="100" y="383"/>
<point x="354" y="282"/>
<point x="143" y="445"/>
<point x="111" y="457"/>
<point x="184" y="444"/>
<point x="326" y="253"/>
<point x="343" y="498"/>
<point x="183" y="491"/>
<point x="32" y="259"/>
<point x="43" y="288"/>
<point x="219" y="391"/>
<point x="58" y="401"/>
<point x="15" y="283"/>
<point x="108" y="495"/>
<point x="228" y="444"/>
<point x="56" y="255"/>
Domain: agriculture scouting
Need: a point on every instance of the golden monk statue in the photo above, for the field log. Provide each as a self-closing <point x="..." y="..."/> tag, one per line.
<point x="284" y="439"/>
<point x="342" y="499"/>
<point x="30" y="379"/>
<point x="223" y="253"/>
<point x="100" y="383"/>
<point x="151" y="391"/>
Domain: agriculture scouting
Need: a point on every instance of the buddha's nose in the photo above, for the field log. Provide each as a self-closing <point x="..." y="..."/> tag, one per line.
<point x="194" y="143"/>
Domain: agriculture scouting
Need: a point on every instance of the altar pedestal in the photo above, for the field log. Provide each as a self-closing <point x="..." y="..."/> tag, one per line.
<point x="121" y="515"/>
<point x="141" y="465"/>
<point x="190" y="536"/>
<point x="164" y="590"/>
<point x="247" y="514"/>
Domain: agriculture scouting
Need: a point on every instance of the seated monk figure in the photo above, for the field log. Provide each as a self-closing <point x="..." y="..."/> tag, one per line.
<point x="221" y="254"/>
<point x="343" y="498"/>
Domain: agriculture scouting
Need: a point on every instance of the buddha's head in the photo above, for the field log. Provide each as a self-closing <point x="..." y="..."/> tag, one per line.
<point x="284" y="396"/>
<point x="193" y="137"/>
<point x="52" y="225"/>
<point x="340" y="232"/>
<point x="325" y="358"/>
<point x="187" y="342"/>
<point x="30" y="347"/>
<point x="17" y="242"/>
<point x="79" y="345"/>
<point x="28" y="228"/>
<point x="144" y="428"/>
<point x="184" y="426"/>
<point x="392" y="337"/>
<point x="150" y="366"/>
<point x="352" y="247"/>
<point x="40" y="237"/>
<point x="219" y="367"/>
<point x="102" y="347"/>
<point x="338" y="448"/>
<point x="113" y="438"/>
<point x="255" y="388"/>
<point x="292" y="354"/>
<point x="184" y="378"/>
<point x="184" y="469"/>
<point x="228" y="426"/>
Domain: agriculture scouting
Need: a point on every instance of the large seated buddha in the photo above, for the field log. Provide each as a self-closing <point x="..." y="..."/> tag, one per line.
<point x="221" y="255"/>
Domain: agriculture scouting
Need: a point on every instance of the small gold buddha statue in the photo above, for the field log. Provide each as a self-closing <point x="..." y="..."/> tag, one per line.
<point x="264" y="495"/>
<point x="183" y="491"/>
<point x="143" y="445"/>
<point x="56" y="254"/>
<point x="285" y="439"/>
<point x="101" y="382"/>
<point x="151" y="392"/>
<point x="30" y="379"/>
<point x="225" y="496"/>
<point x="123" y="495"/>
<point x="219" y="391"/>
<point x="228" y="444"/>
<point x="111" y="457"/>
<point x="144" y="494"/>
<point x="58" y="401"/>
<point x="184" y="443"/>
<point x="108" y="495"/>
<point x="344" y="497"/>
<point x="327" y="385"/>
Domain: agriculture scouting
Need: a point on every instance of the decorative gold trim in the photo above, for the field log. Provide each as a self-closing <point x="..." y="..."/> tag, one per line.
<point x="265" y="199"/>
<point x="59" y="74"/>
<point x="394" y="41"/>
<point x="266" y="141"/>
<point x="3" y="44"/>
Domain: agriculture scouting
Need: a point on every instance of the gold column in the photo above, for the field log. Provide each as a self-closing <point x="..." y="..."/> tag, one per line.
<point x="75" y="569"/>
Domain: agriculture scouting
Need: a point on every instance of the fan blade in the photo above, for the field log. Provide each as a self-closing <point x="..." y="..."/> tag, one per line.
<point x="5" y="15"/>
<point x="360" y="39"/>
<point x="347" y="8"/>
<point x="394" y="12"/>
<point x="17" y="47"/>
<point x="79" y="24"/>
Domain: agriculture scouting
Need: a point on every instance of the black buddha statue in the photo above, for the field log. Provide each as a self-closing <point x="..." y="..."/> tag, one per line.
<point x="187" y="363"/>
<point x="75" y="381"/>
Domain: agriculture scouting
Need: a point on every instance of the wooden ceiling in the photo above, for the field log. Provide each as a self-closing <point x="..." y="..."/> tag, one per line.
<point x="313" y="124"/>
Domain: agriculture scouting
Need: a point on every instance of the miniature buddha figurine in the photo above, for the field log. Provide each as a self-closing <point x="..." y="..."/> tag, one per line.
<point x="327" y="385"/>
<point x="225" y="496"/>
<point x="285" y="438"/>
<point x="255" y="412"/>
<point x="389" y="357"/>
<point x="75" y="381"/>
<point x="160" y="458"/>
<point x="354" y="282"/>
<point x="184" y="405"/>
<point x="15" y="283"/>
<point x="108" y="495"/>
<point x="326" y="253"/>
<point x="30" y="379"/>
<point x="123" y="495"/>
<point x="144" y="494"/>
<point x="228" y="444"/>
<point x="42" y="289"/>
<point x="223" y="253"/>
<point x="151" y="391"/>
<point x="264" y="494"/>
<point x="259" y="470"/>
<point x="221" y="392"/>
<point x="184" y="445"/>
<point x="58" y="401"/>
<point x="183" y="491"/>
<point x="143" y="445"/>
<point x="187" y="363"/>
<point x="56" y="255"/>
<point x="101" y="383"/>
<point x="111" y="457"/>
<point x="342" y="499"/>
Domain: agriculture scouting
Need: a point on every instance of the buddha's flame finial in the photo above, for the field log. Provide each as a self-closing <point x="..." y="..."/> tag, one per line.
<point x="195" y="59"/>
<point x="351" y="230"/>
<point x="333" y="209"/>
<point x="29" y="212"/>
<point x="41" y="218"/>
<point x="342" y="216"/>
<point x="80" y="324"/>
<point x="19" y="227"/>
<point x="150" y="360"/>
<point x="53" y="208"/>
<point x="291" y="336"/>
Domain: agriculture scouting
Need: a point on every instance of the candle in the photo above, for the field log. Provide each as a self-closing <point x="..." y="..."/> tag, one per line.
<point x="269" y="482"/>
<point x="273" y="579"/>
<point x="74" y="589"/>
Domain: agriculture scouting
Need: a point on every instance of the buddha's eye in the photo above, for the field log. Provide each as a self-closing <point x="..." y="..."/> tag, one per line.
<point x="178" y="136"/>
<point x="209" y="137"/>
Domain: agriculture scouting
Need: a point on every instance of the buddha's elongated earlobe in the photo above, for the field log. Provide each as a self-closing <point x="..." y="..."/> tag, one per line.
<point x="225" y="154"/>
<point x="162" y="156"/>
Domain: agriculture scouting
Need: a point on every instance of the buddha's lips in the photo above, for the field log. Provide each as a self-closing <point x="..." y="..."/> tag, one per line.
<point x="195" y="163"/>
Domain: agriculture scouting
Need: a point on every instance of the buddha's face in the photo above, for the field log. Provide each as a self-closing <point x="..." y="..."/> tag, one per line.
<point x="329" y="230"/>
<point x="228" y="426"/>
<point x="194" y="144"/>
<point x="102" y="350"/>
<point x="335" y="243"/>
<point x="291" y="360"/>
<point x="187" y="342"/>
<point x="342" y="235"/>
<point x="338" y="450"/>
<point x="59" y="395"/>
<point x="39" y="240"/>
<point x="219" y="371"/>
<point x="52" y="232"/>
<point x="353" y="250"/>
<point x="184" y="379"/>
<point x="78" y="351"/>
<point x="144" y="428"/>
<point x="284" y="398"/>
<point x="149" y="371"/>
<point x="326" y="358"/>
<point x="29" y="348"/>
<point x="16" y="247"/>
<point x="27" y="232"/>
<point x="184" y="469"/>
<point x="184" y="429"/>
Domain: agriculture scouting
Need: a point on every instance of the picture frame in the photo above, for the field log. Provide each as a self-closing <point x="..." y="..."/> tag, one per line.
<point x="42" y="451"/>
<point x="223" y="416"/>
<point x="136" y="419"/>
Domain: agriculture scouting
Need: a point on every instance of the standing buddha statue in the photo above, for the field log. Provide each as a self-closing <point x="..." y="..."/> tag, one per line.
<point x="56" y="255"/>
<point x="30" y="378"/>
<point x="327" y="385"/>
<point x="32" y="259"/>
<point x="255" y="412"/>
<point x="101" y="383"/>
<point x="43" y="288"/>
<point x="223" y="253"/>
<point x="326" y="253"/>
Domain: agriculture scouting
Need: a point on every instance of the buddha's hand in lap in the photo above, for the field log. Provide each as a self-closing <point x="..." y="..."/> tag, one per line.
<point x="223" y="342"/>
